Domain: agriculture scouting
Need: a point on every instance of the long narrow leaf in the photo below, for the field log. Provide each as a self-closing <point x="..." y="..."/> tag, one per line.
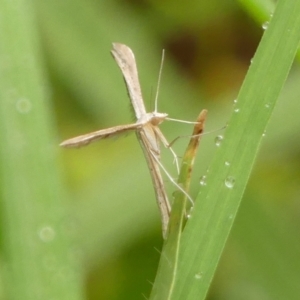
<point x="35" y="242"/>
<point x="166" y="275"/>
<point x="206" y="232"/>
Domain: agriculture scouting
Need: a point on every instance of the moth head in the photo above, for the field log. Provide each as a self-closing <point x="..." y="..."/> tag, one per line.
<point x="157" y="118"/>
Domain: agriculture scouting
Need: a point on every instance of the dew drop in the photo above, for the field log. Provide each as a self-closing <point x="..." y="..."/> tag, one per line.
<point x="229" y="182"/>
<point x="236" y="110"/>
<point x="202" y="180"/>
<point x="235" y="101"/>
<point x="265" y="25"/>
<point x="218" y="140"/>
<point x="23" y="106"/>
<point x="267" y="105"/>
<point x="227" y="163"/>
<point x="198" y="276"/>
<point x="47" y="234"/>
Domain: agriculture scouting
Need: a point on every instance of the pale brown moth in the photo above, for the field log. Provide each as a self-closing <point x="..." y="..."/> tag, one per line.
<point x="146" y="128"/>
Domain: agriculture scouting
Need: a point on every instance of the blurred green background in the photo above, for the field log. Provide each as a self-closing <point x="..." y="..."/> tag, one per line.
<point x="209" y="46"/>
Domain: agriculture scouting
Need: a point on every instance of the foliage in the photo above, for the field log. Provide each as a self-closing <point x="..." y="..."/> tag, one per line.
<point x="56" y="67"/>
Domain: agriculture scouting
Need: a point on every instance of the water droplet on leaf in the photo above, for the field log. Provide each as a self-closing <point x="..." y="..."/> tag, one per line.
<point x="218" y="140"/>
<point x="229" y="182"/>
<point x="265" y="25"/>
<point x="202" y="180"/>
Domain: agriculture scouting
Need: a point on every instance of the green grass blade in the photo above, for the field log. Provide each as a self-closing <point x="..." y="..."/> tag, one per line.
<point x="166" y="275"/>
<point x="206" y="232"/>
<point x="34" y="229"/>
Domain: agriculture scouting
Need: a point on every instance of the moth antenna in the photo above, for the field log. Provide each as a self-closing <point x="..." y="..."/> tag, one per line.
<point x="159" y="78"/>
